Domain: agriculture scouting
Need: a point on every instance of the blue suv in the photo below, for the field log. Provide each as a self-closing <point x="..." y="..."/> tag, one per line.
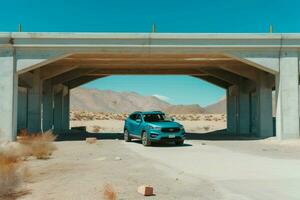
<point x="153" y="127"/>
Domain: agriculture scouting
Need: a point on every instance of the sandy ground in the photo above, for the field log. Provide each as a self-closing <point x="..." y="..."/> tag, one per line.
<point x="207" y="167"/>
<point x="202" y="169"/>
<point x="116" y="126"/>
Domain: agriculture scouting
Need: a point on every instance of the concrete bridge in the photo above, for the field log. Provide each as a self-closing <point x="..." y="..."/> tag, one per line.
<point x="37" y="70"/>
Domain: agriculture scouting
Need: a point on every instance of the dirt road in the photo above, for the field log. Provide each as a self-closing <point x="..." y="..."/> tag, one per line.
<point x="201" y="169"/>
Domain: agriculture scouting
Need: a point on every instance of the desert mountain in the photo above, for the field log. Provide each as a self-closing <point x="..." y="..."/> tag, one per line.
<point x="218" y="107"/>
<point x="185" y="109"/>
<point x="124" y="102"/>
<point x="113" y="102"/>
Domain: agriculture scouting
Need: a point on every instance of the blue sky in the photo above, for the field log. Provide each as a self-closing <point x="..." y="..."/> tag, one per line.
<point x="138" y="16"/>
<point x="174" y="89"/>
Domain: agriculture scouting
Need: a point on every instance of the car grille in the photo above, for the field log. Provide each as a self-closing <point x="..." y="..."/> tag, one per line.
<point x="170" y="130"/>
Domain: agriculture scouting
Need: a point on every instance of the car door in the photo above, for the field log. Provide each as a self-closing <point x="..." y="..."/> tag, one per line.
<point x="136" y="125"/>
<point x="130" y="123"/>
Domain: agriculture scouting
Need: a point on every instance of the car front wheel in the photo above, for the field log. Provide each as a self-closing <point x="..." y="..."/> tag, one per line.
<point x="145" y="139"/>
<point x="127" y="137"/>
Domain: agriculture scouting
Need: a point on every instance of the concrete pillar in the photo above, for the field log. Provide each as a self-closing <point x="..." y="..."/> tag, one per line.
<point x="34" y="103"/>
<point x="287" y="96"/>
<point x="58" y="100"/>
<point x="264" y="106"/>
<point x="244" y="109"/>
<point x="253" y="113"/>
<point x="47" y="105"/>
<point x="8" y="95"/>
<point x="232" y="125"/>
<point x="22" y="108"/>
<point x="66" y="109"/>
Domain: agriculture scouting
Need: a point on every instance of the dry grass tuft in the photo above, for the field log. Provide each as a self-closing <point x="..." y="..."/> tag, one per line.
<point x="96" y="129"/>
<point x="109" y="193"/>
<point x="11" y="172"/>
<point x="206" y="128"/>
<point x="40" y="145"/>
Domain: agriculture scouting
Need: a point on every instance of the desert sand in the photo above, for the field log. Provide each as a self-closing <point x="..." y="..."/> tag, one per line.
<point x="201" y="169"/>
<point x="114" y="123"/>
<point x="204" y="167"/>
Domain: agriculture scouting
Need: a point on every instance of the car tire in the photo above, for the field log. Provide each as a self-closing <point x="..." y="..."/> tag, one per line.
<point x="179" y="142"/>
<point x="145" y="139"/>
<point x="127" y="137"/>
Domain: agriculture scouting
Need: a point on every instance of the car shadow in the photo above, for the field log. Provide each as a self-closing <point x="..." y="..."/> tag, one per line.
<point x="219" y="135"/>
<point x="82" y="135"/>
<point x="162" y="144"/>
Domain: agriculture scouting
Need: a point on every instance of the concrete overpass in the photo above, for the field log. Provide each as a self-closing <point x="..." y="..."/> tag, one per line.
<point x="37" y="70"/>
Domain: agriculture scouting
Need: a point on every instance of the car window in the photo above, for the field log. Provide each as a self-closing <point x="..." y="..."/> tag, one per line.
<point x="138" y="116"/>
<point x="154" y="117"/>
<point x="133" y="116"/>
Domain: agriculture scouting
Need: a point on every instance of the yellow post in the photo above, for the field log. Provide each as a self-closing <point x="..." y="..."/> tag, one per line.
<point x="271" y="28"/>
<point x="153" y="28"/>
<point x="20" y="28"/>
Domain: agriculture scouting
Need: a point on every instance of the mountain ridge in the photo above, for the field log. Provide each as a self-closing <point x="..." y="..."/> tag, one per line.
<point x="109" y="101"/>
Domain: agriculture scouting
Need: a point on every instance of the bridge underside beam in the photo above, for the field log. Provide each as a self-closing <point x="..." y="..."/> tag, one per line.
<point x="215" y="81"/>
<point x="81" y="80"/>
<point x="223" y="75"/>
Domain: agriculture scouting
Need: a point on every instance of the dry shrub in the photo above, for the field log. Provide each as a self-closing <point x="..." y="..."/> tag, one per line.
<point x="206" y="128"/>
<point x="96" y="129"/>
<point x="40" y="145"/>
<point x="109" y="193"/>
<point x="11" y="172"/>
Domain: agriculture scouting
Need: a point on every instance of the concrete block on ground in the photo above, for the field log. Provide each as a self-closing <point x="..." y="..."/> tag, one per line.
<point x="145" y="190"/>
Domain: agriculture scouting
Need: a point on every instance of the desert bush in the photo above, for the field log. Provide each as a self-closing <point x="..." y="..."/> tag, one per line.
<point x="39" y="145"/>
<point x="216" y="119"/>
<point x="11" y="172"/>
<point x="109" y="193"/>
<point x="96" y="129"/>
<point x="206" y="128"/>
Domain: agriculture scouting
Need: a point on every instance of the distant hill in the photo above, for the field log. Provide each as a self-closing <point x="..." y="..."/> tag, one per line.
<point x="185" y="109"/>
<point x="113" y="102"/>
<point x="124" y="102"/>
<point x="219" y="107"/>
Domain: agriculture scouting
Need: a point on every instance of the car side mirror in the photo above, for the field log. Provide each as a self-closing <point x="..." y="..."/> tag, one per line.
<point x="138" y="120"/>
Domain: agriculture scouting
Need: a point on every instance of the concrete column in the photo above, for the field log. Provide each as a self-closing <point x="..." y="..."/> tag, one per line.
<point x="287" y="97"/>
<point x="22" y="108"/>
<point x="232" y="93"/>
<point x="58" y="100"/>
<point x="8" y="95"/>
<point x="47" y="105"/>
<point x="253" y="113"/>
<point x="34" y="103"/>
<point x="244" y="109"/>
<point x="264" y="106"/>
<point x="66" y="109"/>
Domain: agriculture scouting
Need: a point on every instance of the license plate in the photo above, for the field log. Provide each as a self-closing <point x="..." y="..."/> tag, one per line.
<point x="171" y="136"/>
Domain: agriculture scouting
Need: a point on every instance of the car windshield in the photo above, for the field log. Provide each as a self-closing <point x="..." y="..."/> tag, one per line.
<point x="155" y="118"/>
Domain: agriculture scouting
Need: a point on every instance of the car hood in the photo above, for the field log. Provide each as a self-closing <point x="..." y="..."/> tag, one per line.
<point x="165" y="124"/>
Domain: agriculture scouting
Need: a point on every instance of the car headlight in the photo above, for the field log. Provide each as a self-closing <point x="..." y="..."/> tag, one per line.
<point x="154" y="128"/>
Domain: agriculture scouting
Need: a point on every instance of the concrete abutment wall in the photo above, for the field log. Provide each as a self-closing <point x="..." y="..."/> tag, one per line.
<point x="287" y="96"/>
<point x="8" y="94"/>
